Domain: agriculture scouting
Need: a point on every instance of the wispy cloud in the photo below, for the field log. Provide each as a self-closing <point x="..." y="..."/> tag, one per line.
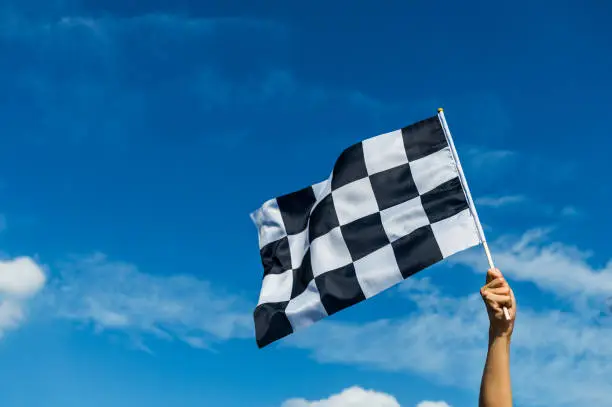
<point x="552" y="266"/>
<point x="73" y="70"/>
<point x="445" y="340"/>
<point x="491" y="169"/>
<point x="76" y="69"/>
<point x="499" y="201"/>
<point x="19" y="26"/>
<point x="570" y="211"/>
<point x="115" y="296"/>
<point x="483" y="158"/>
<point x="523" y="205"/>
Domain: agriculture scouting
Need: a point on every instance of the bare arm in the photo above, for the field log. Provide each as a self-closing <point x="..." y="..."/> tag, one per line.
<point x="495" y="388"/>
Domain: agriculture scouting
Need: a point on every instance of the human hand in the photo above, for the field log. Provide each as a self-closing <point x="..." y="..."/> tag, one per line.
<point x="497" y="294"/>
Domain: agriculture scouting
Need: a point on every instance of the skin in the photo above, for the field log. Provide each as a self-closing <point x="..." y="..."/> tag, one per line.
<point x="495" y="388"/>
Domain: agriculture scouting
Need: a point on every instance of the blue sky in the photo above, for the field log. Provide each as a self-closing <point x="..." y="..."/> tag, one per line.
<point x="136" y="139"/>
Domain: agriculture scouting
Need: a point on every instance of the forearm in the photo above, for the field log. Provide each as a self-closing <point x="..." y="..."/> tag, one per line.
<point x="495" y="389"/>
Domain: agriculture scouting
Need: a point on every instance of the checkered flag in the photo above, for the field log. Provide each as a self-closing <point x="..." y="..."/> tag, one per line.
<point x="394" y="205"/>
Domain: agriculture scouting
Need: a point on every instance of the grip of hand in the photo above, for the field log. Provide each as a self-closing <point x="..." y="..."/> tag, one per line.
<point x="498" y="295"/>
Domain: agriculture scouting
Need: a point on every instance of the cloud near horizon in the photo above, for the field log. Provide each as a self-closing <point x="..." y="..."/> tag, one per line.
<point x="358" y="397"/>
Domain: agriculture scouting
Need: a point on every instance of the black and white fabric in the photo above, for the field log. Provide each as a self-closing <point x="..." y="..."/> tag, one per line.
<point x="393" y="205"/>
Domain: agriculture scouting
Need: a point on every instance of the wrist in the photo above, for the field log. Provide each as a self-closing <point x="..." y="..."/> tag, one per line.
<point x="499" y="343"/>
<point x="499" y="335"/>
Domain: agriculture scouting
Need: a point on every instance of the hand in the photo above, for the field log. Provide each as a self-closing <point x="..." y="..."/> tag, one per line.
<point x="497" y="294"/>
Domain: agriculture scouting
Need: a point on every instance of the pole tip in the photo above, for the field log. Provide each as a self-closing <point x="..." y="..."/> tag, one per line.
<point x="440" y="110"/>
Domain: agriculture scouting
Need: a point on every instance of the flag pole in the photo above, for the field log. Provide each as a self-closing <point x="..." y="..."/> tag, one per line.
<point x="468" y="194"/>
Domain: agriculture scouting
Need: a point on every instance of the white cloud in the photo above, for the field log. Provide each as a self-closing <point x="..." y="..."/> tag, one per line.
<point x="358" y="397"/>
<point x="116" y="296"/>
<point x="433" y="404"/>
<point x="351" y="397"/>
<point x="559" y="358"/>
<point x="20" y="279"/>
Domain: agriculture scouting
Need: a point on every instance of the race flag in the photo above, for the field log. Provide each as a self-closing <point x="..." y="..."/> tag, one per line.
<point x="394" y="205"/>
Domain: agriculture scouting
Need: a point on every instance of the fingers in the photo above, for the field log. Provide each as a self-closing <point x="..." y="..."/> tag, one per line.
<point x="496" y="292"/>
<point x="496" y="300"/>
<point x="496" y="283"/>
<point x="504" y="290"/>
<point x="492" y="274"/>
<point x="496" y="286"/>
